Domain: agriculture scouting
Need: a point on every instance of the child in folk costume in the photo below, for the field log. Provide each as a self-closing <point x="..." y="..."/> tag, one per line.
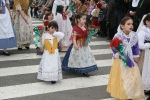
<point x="79" y="58"/>
<point x="50" y="65"/>
<point x="125" y="79"/>
<point x="59" y="11"/>
<point x="144" y="45"/>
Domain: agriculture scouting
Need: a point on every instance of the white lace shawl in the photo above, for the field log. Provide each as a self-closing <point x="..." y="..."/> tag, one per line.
<point x="127" y="45"/>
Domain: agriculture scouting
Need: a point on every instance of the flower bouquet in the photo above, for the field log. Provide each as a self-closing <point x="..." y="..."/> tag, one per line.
<point x="93" y="30"/>
<point x="117" y="45"/>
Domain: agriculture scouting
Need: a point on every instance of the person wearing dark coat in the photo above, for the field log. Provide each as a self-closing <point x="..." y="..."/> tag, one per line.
<point x="142" y="9"/>
<point x="110" y="19"/>
<point x="132" y="12"/>
<point x="120" y="7"/>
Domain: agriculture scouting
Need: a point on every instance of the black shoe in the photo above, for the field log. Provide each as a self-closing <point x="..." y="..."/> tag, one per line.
<point x="53" y="82"/>
<point x="147" y="92"/>
<point x="27" y="47"/>
<point x="86" y="74"/>
<point x="6" y="53"/>
<point x="19" y="48"/>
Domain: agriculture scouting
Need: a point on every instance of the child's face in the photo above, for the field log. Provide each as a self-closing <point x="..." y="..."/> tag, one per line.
<point x="148" y="24"/>
<point x="52" y="30"/>
<point x="50" y="17"/>
<point x="82" y="20"/>
<point x="128" y="27"/>
<point x="92" y="2"/>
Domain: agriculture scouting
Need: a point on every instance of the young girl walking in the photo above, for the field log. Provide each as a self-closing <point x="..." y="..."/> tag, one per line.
<point x="125" y="79"/>
<point x="144" y="45"/>
<point x="50" y="65"/>
<point x="79" y="58"/>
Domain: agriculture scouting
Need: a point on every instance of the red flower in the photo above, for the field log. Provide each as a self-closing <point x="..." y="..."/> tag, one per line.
<point x="115" y="43"/>
<point x="111" y="44"/>
<point x="46" y="23"/>
<point x="40" y="27"/>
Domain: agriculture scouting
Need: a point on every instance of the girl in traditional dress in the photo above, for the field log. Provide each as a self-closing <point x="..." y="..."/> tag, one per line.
<point x="125" y="81"/>
<point x="50" y="65"/>
<point x="62" y="18"/>
<point x="7" y="35"/>
<point x="144" y="45"/>
<point x="22" y="24"/>
<point x="79" y="58"/>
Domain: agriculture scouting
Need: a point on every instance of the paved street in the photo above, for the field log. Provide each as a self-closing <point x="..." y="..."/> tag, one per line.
<point x="18" y="74"/>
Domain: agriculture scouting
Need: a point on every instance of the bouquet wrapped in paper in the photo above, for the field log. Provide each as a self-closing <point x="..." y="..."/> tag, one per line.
<point x="117" y="45"/>
<point x="39" y="30"/>
<point x="93" y="30"/>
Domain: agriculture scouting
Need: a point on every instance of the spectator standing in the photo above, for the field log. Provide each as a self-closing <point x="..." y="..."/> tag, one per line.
<point x="142" y="9"/>
<point x="91" y="6"/>
<point x="132" y="12"/>
<point x="110" y="19"/>
<point x="121" y="7"/>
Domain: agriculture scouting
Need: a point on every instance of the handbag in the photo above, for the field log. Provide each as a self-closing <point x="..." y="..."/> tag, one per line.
<point x="2" y="6"/>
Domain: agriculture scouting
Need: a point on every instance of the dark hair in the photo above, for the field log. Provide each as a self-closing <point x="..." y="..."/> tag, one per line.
<point x="53" y="24"/>
<point x="95" y="1"/>
<point x="46" y="15"/>
<point x="79" y="15"/>
<point x="147" y="18"/>
<point x="124" y="20"/>
<point x="82" y="1"/>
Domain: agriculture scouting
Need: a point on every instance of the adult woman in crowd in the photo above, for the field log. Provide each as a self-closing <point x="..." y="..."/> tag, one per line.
<point x="22" y="24"/>
<point x="60" y="7"/>
<point x="7" y="35"/>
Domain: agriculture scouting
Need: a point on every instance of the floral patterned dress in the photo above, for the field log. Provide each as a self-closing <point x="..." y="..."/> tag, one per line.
<point x="24" y="31"/>
<point x="82" y="60"/>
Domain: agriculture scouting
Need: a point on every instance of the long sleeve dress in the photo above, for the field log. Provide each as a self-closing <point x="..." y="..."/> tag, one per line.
<point x="50" y="65"/>
<point x="24" y="31"/>
<point x="125" y="81"/>
<point x="82" y="60"/>
<point x="144" y="45"/>
<point x="7" y="33"/>
<point x="59" y="7"/>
